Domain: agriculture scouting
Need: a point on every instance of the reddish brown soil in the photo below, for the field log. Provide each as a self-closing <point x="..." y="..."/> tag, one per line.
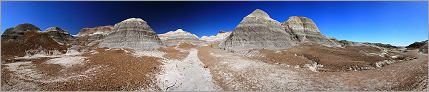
<point x="6" y="75"/>
<point x="32" y="41"/>
<point x="282" y="58"/>
<point x="214" y="45"/>
<point x="204" y="55"/>
<point x="117" y="70"/>
<point x="400" y="76"/>
<point x="49" y="69"/>
<point x="173" y="53"/>
<point x="333" y="58"/>
<point x="124" y="72"/>
<point x="186" y="46"/>
<point x="338" y="59"/>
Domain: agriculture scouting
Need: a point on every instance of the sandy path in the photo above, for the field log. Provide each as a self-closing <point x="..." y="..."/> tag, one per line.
<point x="186" y="75"/>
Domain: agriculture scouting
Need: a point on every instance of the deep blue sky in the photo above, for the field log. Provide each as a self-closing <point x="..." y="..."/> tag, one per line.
<point x="397" y="23"/>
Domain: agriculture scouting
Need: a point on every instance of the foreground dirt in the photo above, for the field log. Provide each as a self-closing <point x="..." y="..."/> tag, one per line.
<point x="32" y="43"/>
<point x="333" y="59"/>
<point x="232" y="72"/>
<point x="187" y="74"/>
<point x="409" y="75"/>
<point x="191" y="68"/>
<point x="104" y="70"/>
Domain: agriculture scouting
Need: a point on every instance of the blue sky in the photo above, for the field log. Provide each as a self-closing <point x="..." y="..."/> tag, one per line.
<point x="397" y="23"/>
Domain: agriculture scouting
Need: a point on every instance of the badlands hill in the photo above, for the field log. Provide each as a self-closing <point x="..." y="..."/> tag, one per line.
<point x="305" y="30"/>
<point x="27" y="39"/>
<point x="422" y="46"/>
<point x="99" y="30"/>
<point x="216" y="39"/>
<point x="133" y="33"/>
<point x="90" y="38"/>
<point x="173" y="38"/>
<point x="59" y="35"/>
<point x="258" y="31"/>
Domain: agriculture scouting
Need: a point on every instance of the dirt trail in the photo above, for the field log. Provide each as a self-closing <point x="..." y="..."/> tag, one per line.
<point x="186" y="75"/>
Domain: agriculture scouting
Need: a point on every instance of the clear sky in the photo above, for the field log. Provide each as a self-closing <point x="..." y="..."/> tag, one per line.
<point x="396" y="23"/>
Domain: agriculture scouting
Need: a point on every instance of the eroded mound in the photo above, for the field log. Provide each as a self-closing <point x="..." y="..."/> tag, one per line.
<point x="32" y="42"/>
<point x="256" y="31"/>
<point x="173" y="38"/>
<point x="132" y="33"/>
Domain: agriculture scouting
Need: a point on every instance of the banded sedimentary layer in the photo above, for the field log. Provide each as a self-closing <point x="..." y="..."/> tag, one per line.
<point x="133" y="33"/>
<point x="257" y="31"/>
<point x="179" y="36"/>
<point x="304" y="30"/>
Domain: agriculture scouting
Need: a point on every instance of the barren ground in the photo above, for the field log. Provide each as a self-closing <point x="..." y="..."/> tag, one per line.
<point x="191" y="68"/>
